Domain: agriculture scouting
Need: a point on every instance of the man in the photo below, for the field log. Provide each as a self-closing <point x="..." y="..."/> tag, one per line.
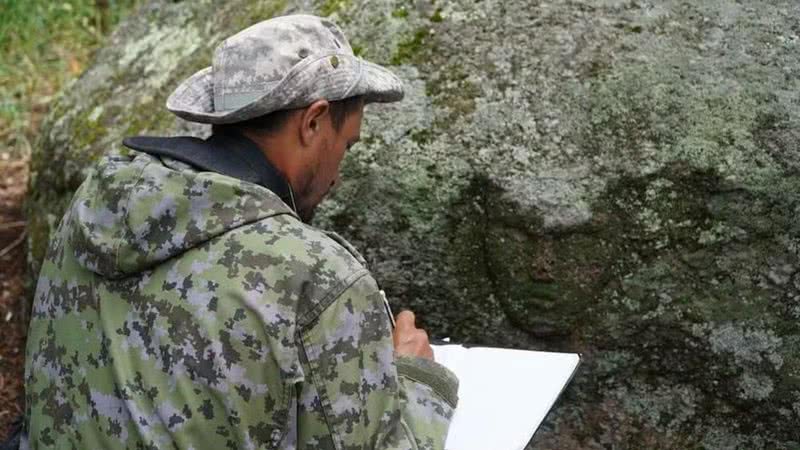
<point x="186" y="302"/>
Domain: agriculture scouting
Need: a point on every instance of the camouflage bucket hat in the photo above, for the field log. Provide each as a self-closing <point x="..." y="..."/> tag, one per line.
<point x="282" y="63"/>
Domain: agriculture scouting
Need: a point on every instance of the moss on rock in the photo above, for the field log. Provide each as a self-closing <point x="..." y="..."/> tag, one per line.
<point x="617" y="178"/>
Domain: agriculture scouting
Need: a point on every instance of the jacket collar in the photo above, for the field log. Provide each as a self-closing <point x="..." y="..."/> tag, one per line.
<point x="266" y="174"/>
<point x="227" y="153"/>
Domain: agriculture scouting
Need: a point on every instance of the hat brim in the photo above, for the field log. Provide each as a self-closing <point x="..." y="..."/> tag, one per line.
<point x="331" y="77"/>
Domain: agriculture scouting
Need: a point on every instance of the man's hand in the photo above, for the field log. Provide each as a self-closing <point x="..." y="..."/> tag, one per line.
<point x="410" y="340"/>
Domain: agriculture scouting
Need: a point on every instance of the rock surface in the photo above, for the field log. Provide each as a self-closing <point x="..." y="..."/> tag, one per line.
<point x="615" y="177"/>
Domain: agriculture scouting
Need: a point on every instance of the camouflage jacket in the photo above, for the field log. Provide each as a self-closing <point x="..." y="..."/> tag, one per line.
<point x="186" y="309"/>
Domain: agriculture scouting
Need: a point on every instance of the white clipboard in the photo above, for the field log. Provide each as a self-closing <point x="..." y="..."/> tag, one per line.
<point x="504" y="394"/>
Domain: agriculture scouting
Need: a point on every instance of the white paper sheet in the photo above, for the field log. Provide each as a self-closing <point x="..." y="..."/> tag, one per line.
<point x="503" y="394"/>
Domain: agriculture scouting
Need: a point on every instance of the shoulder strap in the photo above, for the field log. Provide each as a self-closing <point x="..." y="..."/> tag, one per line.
<point x="347" y="246"/>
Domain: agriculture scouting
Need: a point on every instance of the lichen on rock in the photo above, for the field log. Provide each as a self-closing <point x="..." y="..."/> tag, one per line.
<point x="616" y="178"/>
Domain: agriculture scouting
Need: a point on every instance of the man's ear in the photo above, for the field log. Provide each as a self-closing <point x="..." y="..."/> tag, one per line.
<point x="312" y="120"/>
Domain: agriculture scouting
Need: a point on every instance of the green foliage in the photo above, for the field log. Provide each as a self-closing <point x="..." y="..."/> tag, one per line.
<point x="43" y="45"/>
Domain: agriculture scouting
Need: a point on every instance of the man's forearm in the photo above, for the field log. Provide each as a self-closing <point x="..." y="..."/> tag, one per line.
<point x="371" y="398"/>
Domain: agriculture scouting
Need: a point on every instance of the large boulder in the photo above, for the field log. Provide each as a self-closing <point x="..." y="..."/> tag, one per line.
<point x="619" y="178"/>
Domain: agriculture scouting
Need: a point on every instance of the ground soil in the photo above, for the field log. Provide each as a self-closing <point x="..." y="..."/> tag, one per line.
<point x="13" y="186"/>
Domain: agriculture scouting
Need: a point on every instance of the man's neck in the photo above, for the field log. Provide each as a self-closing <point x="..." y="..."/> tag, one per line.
<point x="280" y="151"/>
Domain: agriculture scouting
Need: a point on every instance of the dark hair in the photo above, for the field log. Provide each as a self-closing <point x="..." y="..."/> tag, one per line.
<point x="273" y="122"/>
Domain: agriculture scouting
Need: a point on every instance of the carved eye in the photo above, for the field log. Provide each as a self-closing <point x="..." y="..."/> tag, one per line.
<point x="303" y="53"/>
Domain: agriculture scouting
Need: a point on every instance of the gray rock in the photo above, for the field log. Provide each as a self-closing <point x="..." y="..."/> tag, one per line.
<point x="618" y="178"/>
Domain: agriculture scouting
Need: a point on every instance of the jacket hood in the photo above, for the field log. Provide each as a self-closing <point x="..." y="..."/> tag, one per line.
<point x="134" y="211"/>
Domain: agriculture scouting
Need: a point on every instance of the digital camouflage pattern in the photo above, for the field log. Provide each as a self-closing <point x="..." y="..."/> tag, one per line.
<point x="282" y="63"/>
<point x="186" y="309"/>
